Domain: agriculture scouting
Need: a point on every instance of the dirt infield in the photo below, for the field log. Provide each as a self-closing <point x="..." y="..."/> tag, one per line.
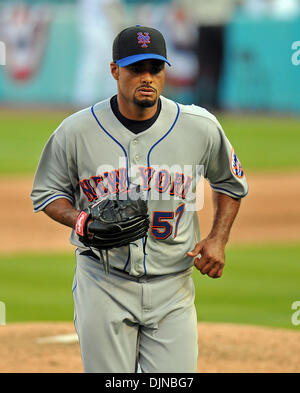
<point x="223" y="348"/>
<point x="270" y="213"/>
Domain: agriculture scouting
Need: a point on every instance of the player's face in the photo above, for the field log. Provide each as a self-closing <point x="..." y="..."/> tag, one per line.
<point x="142" y="83"/>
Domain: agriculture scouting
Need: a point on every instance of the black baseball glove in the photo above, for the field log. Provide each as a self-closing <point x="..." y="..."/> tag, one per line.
<point x="115" y="221"/>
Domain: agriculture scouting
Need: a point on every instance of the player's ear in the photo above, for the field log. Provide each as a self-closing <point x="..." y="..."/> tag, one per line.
<point x="114" y="69"/>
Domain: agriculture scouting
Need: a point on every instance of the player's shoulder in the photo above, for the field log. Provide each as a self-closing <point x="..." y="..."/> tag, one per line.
<point x="199" y="114"/>
<point x="81" y="119"/>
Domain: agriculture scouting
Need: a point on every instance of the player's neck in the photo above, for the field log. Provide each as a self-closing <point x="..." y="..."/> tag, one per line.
<point x="134" y="112"/>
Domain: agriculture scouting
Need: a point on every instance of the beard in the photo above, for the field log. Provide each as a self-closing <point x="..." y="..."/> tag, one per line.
<point x="145" y="103"/>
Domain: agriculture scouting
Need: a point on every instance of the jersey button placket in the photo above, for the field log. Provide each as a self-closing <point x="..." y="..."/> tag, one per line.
<point x="135" y="154"/>
<point x="137" y="256"/>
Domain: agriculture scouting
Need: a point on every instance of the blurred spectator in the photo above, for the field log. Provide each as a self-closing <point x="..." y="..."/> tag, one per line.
<point x="210" y="17"/>
<point x="279" y="9"/>
<point x="257" y="8"/>
<point x="98" y="23"/>
<point x="24" y="29"/>
<point x="182" y="76"/>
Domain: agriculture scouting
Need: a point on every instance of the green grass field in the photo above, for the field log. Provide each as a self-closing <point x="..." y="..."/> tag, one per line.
<point x="258" y="287"/>
<point x="23" y="136"/>
<point x="262" y="143"/>
<point x="37" y="287"/>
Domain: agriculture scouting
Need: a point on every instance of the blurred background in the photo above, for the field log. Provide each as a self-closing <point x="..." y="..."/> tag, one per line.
<point x="225" y="54"/>
<point x="240" y="59"/>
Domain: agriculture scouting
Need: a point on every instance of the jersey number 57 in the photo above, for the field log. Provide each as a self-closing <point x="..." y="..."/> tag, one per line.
<point x="163" y="223"/>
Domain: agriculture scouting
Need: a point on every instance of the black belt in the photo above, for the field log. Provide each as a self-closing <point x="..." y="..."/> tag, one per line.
<point x="90" y="253"/>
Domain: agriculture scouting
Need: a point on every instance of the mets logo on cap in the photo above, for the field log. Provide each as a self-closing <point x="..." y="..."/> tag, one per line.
<point x="236" y="166"/>
<point x="143" y="39"/>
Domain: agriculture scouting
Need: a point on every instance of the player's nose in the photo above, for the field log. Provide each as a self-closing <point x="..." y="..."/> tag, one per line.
<point x="146" y="77"/>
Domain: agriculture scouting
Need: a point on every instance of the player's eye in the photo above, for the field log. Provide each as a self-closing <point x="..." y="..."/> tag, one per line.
<point x="153" y="68"/>
<point x="136" y="69"/>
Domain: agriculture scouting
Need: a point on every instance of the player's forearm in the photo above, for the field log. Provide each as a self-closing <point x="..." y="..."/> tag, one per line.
<point x="225" y="212"/>
<point x="62" y="211"/>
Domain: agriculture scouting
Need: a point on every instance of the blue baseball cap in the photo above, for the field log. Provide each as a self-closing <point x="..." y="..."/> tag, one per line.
<point x="139" y="43"/>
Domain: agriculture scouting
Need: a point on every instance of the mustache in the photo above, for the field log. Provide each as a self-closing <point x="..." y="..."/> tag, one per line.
<point x="146" y="87"/>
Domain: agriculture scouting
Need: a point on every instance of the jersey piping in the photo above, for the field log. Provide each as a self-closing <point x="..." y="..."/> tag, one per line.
<point x="115" y="140"/>
<point x="50" y="199"/>
<point x="148" y="162"/>
<point x="230" y="192"/>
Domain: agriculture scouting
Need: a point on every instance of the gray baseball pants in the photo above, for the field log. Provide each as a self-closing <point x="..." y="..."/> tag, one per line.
<point x="122" y="321"/>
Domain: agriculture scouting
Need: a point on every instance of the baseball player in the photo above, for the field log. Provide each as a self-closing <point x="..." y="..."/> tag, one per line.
<point x="143" y="311"/>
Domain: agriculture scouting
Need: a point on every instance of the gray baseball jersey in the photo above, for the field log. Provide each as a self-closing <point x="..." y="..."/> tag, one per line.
<point x="92" y="154"/>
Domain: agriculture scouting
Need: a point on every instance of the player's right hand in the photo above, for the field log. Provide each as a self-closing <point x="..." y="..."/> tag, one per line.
<point x="82" y="225"/>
